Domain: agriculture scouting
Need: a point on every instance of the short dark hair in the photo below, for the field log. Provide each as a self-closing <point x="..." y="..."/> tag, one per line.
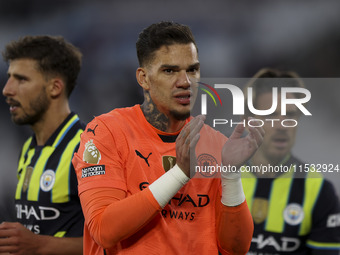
<point x="279" y="79"/>
<point x="53" y="54"/>
<point x="159" y="34"/>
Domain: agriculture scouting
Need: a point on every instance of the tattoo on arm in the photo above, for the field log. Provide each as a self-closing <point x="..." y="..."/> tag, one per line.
<point x="153" y="115"/>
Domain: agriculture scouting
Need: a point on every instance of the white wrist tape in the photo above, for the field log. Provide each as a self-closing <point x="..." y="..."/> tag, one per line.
<point x="232" y="190"/>
<point x="166" y="186"/>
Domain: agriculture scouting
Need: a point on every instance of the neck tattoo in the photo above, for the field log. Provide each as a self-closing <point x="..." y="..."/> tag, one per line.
<point x="153" y="115"/>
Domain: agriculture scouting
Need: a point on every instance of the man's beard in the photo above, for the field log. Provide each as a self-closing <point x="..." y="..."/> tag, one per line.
<point x="38" y="108"/>
<point x="179" y="115"/>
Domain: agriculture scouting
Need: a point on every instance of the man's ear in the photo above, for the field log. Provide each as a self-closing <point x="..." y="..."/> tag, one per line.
<point x="142" y="79"/>
<point x="56" y="87"/>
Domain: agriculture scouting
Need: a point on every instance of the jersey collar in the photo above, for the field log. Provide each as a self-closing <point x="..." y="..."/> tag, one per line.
<point x="59" y="133"/>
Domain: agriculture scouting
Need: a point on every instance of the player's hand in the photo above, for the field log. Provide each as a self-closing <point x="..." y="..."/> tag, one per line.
<point x="186" y="144"/>
<point x="237" y="150"/>
<point x="17" y="239"/>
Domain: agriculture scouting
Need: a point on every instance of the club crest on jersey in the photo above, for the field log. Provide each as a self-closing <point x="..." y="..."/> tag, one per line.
<point x="28" y="175"/>
<point x="293" y="214"/>
<point x="259" y="210"/>
<point x="205" y="162"/>
<point x="91" y="154"/>
<point x="168" y="162"/>
<point x="47" y="180"/>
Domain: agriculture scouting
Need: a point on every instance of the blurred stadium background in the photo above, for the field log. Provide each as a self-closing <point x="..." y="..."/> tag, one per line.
<point x="235" y="39"/>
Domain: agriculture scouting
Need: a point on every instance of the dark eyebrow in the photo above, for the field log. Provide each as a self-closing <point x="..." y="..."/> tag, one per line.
<point x="169" y="67"/>
<point x="196" y="65"/>
<point x="165" y="66"/>
<point x="18" y="76"/>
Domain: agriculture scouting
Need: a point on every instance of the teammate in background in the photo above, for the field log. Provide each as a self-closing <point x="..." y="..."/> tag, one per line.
<point x="134" y="168"/>
<point x="293" y="212"/>
<point x="41" y="76"/>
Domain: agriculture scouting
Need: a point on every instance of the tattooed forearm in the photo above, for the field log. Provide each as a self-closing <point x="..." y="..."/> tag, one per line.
<point x="152" y="115"/>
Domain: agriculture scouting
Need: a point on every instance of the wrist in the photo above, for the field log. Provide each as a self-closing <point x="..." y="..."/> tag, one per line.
<point x="166" y="186"/>
<point x="232" y="190"/>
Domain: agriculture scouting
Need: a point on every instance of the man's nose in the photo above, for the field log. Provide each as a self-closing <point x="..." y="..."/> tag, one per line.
<point x="183" y="80"/>
<point x="8" y="89"/>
